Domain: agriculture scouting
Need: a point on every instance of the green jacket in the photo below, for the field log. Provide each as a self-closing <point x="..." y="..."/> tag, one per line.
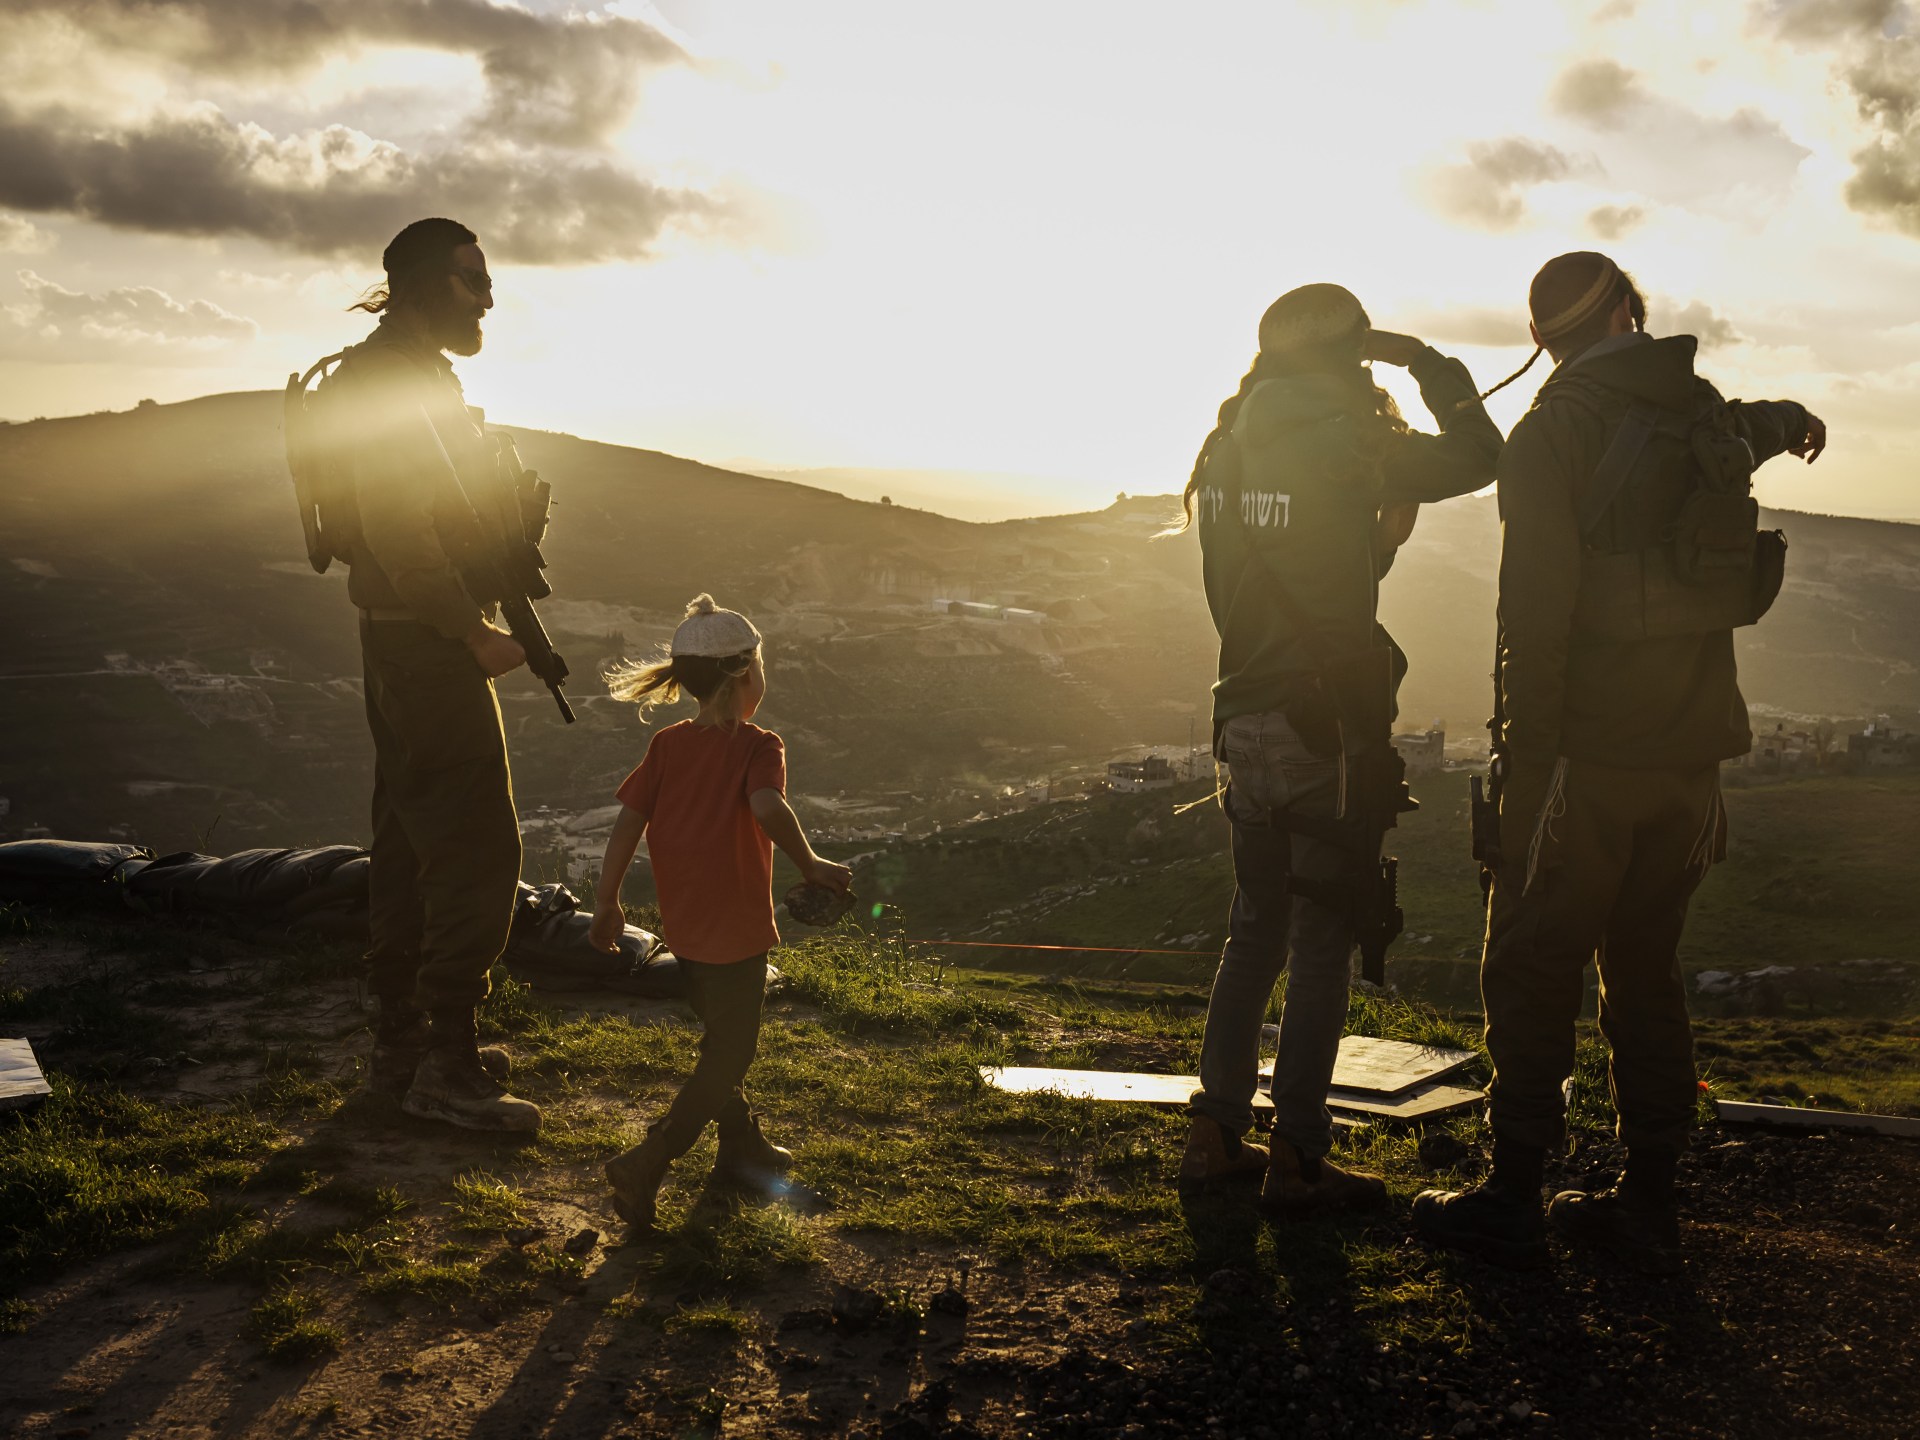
<point x="413" y="443"/>
<point x="1660" y="704"/>
<point x="1307" y="473"/>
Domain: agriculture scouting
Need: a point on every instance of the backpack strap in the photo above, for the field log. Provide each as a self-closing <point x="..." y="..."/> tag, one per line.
<point x="1616" y="465"/>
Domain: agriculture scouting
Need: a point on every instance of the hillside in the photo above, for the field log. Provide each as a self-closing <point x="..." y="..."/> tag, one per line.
<point x="174" y="671"/>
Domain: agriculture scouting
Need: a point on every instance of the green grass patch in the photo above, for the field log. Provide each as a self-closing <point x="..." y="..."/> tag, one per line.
<point x="713" y="1317"/>
<point x="96" y="1169"/>
<point x="736" y="1249"/>
<point x="288" y="1326"/>
<point x="483" y="1204"/>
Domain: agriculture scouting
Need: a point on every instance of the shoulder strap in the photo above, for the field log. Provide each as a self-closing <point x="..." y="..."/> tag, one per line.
<point x="1616" y="465"/>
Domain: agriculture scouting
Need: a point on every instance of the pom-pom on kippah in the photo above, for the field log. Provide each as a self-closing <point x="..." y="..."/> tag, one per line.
<point x="715" y="632"/>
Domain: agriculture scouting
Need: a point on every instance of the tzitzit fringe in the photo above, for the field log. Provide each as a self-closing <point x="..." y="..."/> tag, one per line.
<point x="1551" y="809"/>
<point x="1701" y="856"/>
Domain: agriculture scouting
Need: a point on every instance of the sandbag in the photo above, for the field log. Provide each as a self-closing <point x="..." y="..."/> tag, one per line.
<point x="66" y="869"/>
<point x="255" y="881"/>
<point x="548" y="948"/>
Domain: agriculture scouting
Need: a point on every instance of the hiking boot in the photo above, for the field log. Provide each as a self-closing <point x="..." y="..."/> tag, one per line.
<point x="1642" y="1233"/>
<point x="1215" y="1155"/>
<point x="400" y="1045"/>
<point x="451" y="1085"/>
<point x="1295" y="1185"/>
<point x="636" y="1176"/>
<point x="1498" y="1222"/>
<point x="746" y="1157"/>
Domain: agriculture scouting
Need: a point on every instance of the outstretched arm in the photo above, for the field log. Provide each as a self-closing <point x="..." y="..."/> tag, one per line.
<point x="776" y="817"/>
<point x="1776" y="427"/>
<point x="609" y="920"/>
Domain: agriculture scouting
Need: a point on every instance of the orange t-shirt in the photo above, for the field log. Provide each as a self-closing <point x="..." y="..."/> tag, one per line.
<point x="712" y="863"/>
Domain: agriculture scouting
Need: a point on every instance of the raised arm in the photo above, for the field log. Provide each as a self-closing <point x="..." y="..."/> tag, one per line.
<point x="1419" y="467"/>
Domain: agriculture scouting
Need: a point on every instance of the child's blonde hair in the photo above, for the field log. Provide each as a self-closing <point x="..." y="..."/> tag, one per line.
<point x="710" y="679"/>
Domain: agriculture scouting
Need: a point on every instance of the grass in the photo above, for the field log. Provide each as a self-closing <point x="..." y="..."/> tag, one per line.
<point x="96" y="1168"/>
<point x="869" y="1068"/>
<point x="288" y="1327"/>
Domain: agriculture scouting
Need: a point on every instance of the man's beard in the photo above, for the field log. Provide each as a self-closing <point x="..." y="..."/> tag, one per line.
<point x="455" y="326"/>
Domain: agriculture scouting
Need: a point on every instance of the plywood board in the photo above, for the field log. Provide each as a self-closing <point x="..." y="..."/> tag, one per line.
<point x="21" y="1079"/>
<point x="1386" y="1067"/>
<point x="1120" y="1085"/>
<point x="1808" y="1117"/>
<point x="1422" y="1102"/>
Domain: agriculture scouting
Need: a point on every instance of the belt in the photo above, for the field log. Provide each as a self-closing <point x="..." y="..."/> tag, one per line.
<point x="369" y="614"/>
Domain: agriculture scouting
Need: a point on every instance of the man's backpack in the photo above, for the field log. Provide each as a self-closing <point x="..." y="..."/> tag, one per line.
<point x="1670" y="531"/>
<point x="322" y="478"/>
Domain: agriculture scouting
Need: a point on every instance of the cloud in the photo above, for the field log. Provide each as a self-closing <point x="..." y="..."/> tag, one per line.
<point x="334" y="191"/>
<point x="1695" y="318"/>
<point x="1610" y="222"/>
<point x="1878" y="60"/>
<point x="1489" y="190"/>
<point x="1663" y="149"/>
<point x="566" y="78"/>
<point x="1824" y="20"/>
<point x="1600" y="92"/>
<point x="135" y="315"/>
<point x="20" y="236"/>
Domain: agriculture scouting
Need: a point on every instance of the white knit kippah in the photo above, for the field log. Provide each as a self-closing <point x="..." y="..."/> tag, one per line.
<point x="1311" y="315"/>
<point x="711" y="631"/>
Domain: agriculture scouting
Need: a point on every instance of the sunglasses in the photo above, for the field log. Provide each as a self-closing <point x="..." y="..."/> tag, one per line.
<point x="478" y="281"/>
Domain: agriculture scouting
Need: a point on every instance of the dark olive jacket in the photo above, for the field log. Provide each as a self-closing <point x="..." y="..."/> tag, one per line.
<point x="1307" y="471"/>
<point x="411" y="438"/>
<point x="1668" y="703"/>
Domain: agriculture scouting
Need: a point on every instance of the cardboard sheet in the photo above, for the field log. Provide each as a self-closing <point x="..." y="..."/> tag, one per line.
<point x="1386" y="1067"/>
<point x="21" y="1080"/>
<point x="1422" y="1102"/>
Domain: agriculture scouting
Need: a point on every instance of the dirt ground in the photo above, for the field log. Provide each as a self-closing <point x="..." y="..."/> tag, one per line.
<point x="1795" y="1316"/>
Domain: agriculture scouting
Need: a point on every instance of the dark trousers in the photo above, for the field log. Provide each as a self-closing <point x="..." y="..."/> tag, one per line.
<point x="1615" y="856"/>
<point x="1271" y="929"/>
<point x="446" y="843"/>
<point x="727" y="998"/>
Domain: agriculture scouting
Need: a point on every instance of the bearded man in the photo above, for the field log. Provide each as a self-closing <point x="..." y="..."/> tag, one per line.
<point x="446" y="840"/>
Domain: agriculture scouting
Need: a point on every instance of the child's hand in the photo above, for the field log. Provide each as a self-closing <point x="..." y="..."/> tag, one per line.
<point x="827" y="873"/>
<point x="609" y="924"/>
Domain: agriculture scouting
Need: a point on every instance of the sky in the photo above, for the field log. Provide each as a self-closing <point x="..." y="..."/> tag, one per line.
<point x="1025" y="241"/>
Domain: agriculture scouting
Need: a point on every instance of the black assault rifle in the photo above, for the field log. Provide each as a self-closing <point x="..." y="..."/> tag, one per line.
<point x="510" y="570"/>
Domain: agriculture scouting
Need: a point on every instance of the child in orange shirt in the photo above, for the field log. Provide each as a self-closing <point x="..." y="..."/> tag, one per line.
<point x="710" y="796"/>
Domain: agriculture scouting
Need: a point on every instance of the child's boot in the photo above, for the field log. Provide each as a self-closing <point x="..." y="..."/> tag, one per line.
<point x="746" y="1157"/>
<point x="636" y="1176"/>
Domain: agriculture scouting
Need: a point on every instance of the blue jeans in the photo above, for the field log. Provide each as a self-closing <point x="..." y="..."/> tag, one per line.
<point x="1271" y="929"/>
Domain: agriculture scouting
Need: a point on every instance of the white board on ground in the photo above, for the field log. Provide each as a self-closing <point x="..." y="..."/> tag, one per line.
<point x="1123" y="1085"/>
<point x="1810" y="1117"/>
<point x="1386" y="1067"/>
<point x="21" y="1079"/>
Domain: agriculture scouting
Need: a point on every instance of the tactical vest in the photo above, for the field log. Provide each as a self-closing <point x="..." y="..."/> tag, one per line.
<point x="505" y="505"/>
<point x="1669" y="529"/>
